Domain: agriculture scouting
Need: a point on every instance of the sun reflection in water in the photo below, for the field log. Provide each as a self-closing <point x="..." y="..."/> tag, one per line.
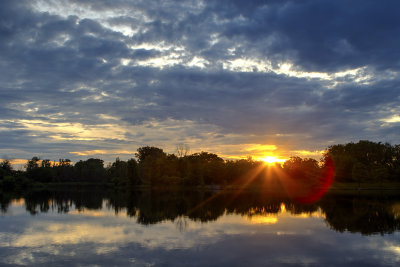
<point x="396" y="210"/>
<point x="260" y="219"/>
<point x="18" y="202"/>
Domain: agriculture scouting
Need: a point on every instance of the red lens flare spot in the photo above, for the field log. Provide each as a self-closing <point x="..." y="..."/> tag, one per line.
<point x="305" y="192"/>
<point x="320" y="190"/>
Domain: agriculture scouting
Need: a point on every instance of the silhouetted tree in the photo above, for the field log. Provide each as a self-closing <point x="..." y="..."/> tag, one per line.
<point x="133" y="173"/>
<point x="182" y="150"/>
<point x="46" y="163"/>
<point x="304" y="169"/>
<point x="204" y="168"/>
<point x="42" y="174"/>
<point x="64" y="171"/>
<point x="91" y="170"/>
<point x="5" y="169"/>
<point x="5" y="166"/>
<point x="149" y="151"/>
<point x="32" y="163"/>
<point x="118" y="172"/>
<point x="156" y="168"/>
<point x="365" y="161"/>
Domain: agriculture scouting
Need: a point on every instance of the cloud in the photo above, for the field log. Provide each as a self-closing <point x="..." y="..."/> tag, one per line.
<point x="98" y="76"/>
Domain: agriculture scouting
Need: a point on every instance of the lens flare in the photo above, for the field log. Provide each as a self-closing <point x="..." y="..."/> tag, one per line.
<point x="325" y="182"/>
<point x="305" y="192"/>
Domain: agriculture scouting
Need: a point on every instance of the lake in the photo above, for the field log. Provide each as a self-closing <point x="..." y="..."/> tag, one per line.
<point x="82" y="227"/>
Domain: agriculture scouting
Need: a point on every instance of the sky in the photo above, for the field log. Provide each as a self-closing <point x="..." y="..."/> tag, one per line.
<point x="81" y="79"/>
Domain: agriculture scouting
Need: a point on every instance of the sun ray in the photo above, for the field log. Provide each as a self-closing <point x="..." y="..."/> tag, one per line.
<point x="303" y="193"/>
<point x="242" y="182"/>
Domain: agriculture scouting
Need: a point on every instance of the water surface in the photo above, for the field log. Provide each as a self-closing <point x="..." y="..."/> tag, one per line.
<point x="180" y="228"/>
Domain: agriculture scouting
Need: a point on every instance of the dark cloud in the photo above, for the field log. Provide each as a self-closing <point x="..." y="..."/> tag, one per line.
<point x="318" y="35"/>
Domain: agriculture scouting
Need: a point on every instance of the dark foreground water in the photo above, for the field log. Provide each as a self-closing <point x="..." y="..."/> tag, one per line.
<point x="190" y="228"/>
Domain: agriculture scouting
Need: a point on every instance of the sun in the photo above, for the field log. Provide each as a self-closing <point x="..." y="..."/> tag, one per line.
<point x="272" y="160"/>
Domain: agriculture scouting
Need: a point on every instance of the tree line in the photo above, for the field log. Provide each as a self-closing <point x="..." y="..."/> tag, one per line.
<point x="364" y="161"/>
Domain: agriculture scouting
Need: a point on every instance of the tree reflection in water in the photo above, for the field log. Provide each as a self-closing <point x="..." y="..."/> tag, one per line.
<point x="366" y="214"/>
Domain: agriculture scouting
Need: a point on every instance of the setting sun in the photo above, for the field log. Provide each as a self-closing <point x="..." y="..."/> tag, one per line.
<point x="272" y="160"/>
